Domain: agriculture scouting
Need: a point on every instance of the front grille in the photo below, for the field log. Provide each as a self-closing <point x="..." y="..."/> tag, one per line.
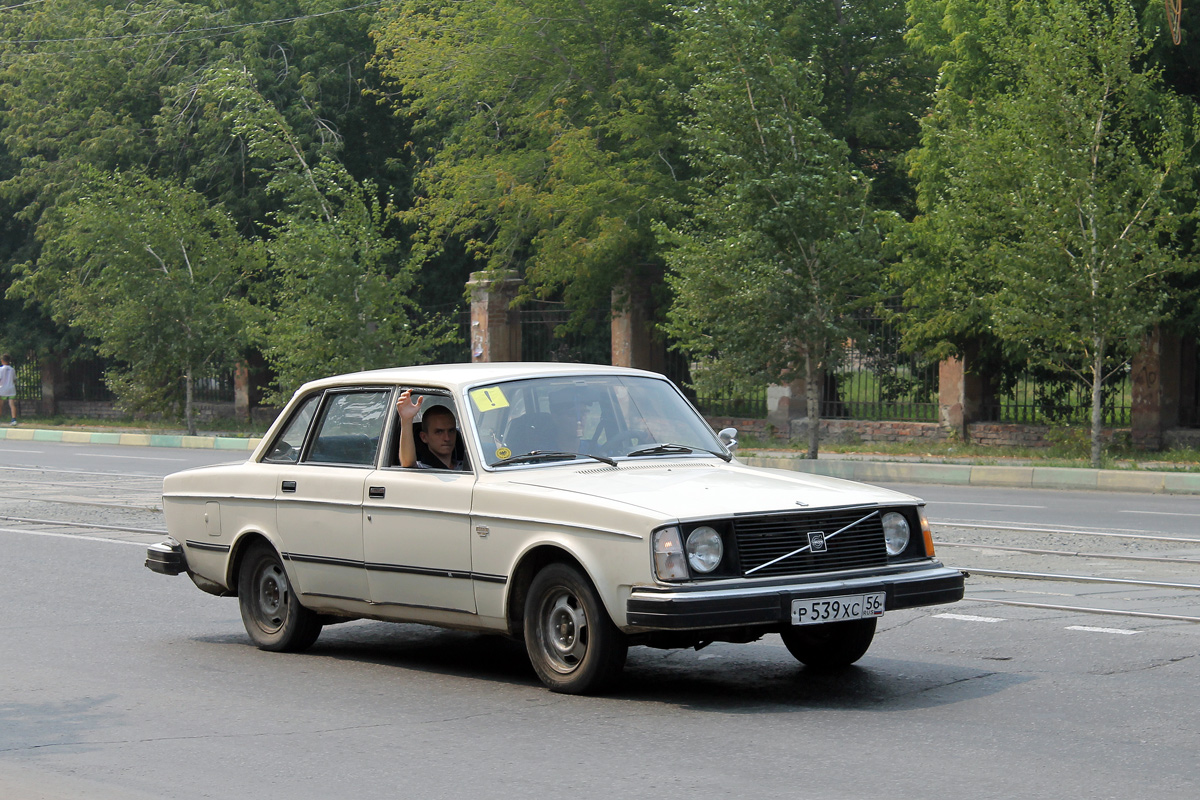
<point x="763" y="539"/>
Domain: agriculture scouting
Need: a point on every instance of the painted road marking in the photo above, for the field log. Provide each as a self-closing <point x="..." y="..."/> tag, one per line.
<point x="73" y="536"/>
<point x="1091" y="629"/>
<point x="1157" y="513"/>
<point x="131" y="458"/>
<point x="985" y="505"/>
<point x="968" y="617"/>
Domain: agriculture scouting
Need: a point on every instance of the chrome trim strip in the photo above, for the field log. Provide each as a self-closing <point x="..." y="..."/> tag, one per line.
<point x="441" y="573"/>
<point x="329" y="560"/>
<point x="216" y="548"/>
<point x="456" y="574"/>
<point x="424" y="607"/>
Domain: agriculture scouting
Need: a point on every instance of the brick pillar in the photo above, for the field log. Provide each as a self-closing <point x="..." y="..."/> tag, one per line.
<point x="1156" y="385"/>
<point x="633" y="341"/>
<point x="495" y="327"/>
<point x="960" y="395"/>
<point x="241" y="391"/>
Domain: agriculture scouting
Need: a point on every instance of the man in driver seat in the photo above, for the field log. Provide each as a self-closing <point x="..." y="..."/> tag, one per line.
<point x="438" y="432"/>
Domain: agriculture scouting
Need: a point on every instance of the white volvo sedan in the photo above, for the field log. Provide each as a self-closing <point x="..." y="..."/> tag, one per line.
<point x="581" y="509"/>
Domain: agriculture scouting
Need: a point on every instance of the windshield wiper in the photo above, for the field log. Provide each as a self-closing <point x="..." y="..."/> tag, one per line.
<point x="549" y="455"/>
<point x="671" y="447"/>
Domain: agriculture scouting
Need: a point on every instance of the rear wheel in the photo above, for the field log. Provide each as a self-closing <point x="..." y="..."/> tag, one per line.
<point x="271" y="612"/>
<point x="573" y="645"/>
<point x="831" y="645"/>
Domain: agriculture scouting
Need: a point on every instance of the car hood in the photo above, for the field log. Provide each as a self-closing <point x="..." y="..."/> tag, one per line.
<point x="684" y="489"/>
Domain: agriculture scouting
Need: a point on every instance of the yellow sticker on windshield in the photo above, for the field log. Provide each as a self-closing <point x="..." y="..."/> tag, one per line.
<point x="489" y="399"/>
<point x="503" y="453"/>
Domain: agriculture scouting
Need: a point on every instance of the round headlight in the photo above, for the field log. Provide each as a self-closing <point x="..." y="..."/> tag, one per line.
<point x="895" y="533"/>
<point x="704" y="549"/>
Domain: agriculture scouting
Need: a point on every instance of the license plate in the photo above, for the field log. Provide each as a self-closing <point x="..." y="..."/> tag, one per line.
<point x="815" y="610"/>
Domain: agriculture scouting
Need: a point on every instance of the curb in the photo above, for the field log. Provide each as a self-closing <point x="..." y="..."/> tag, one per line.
<point x="1022" y="477"/>
<point x="137" y="439"/>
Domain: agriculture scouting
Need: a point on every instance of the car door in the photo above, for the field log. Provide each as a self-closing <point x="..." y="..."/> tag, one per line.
<point x="417" y="535"/>
<point x="319" y="499"/>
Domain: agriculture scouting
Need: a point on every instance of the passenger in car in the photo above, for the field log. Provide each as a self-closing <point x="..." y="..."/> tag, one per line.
<point x="438" y="433"/>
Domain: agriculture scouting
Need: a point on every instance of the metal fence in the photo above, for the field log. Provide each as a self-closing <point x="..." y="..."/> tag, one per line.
<point x="549" y="334"/>
<point x="876" y="380"/>
<point x="28" y="379"/>
<point x="213" y="388"/>
<point x="1041" y="398"/>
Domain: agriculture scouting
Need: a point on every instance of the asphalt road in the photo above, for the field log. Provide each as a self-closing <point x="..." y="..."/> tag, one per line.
<point x="120" y="684"/>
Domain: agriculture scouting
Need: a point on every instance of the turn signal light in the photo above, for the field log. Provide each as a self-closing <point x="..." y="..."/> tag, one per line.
<point x="926" y="532"/>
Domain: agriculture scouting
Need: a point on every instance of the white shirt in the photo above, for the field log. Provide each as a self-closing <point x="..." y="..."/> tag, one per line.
<point x="8" y="381"/>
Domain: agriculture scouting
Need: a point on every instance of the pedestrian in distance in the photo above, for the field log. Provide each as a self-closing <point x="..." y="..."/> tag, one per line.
<point x="8" y="386"/>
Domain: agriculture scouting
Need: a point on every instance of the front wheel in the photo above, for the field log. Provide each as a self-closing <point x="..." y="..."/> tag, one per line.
<point x="271" y="612"/>
<point x="831" y="645"/>
<point x="573" y="645"/>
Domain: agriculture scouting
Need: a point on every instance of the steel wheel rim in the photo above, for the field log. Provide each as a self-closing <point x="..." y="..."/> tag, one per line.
<point x="270" y="597"/>
<point x="564" y="631"/>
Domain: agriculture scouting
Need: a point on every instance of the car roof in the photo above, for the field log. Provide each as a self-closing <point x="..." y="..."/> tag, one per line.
<point x="455" y="376"/>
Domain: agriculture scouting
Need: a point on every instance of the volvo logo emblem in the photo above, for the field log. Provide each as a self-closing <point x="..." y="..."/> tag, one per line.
<point x="816" y="541"/>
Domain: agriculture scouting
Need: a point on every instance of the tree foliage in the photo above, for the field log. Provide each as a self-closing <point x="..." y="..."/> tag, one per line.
<point x="780" y="246"/>
<point x="335" y="299"/>
<point x="546" y="143"/>
<point x="1053" y="191"/>
<point x="150" y="271"/>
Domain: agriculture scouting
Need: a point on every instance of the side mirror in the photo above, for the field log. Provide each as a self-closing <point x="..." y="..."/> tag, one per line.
<point x="728" y="437"/>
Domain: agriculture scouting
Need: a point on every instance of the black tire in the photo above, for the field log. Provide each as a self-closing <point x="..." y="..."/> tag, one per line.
<point x="832" y="645"/>
<point x="271" y="611"/>
<point x="573" y="645"/>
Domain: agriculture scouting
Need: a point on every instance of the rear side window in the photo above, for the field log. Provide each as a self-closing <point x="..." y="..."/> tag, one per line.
<point x="286" y="449"/>
<point x="349" y="428"/>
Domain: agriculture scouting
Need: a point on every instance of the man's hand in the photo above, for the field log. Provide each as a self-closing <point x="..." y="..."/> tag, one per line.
<point x="406" y="408"/>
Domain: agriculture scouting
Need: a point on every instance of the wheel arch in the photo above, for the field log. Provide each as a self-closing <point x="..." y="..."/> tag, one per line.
<point x="522" y="576"/>
<point x="237" y="554"/>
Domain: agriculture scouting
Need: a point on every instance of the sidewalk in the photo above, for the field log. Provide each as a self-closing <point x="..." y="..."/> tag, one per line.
<point x="864" y="468"/>
<point x="882" y="469"/>
<point x="137" y="439"/>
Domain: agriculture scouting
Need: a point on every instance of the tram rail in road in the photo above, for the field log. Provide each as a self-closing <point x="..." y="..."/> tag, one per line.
<point x="984" y="540"/>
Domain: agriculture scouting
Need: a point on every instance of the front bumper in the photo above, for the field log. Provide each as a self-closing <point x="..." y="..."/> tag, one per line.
<point x="166" y="558"/>
<point x="698" y="607"/>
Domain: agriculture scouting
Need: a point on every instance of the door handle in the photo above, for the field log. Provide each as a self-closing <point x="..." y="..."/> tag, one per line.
<point x="375" y="492"/>
<point x="288" y="486"/>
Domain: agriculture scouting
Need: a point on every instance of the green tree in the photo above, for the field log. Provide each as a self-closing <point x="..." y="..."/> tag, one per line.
<point x="152" y="273"/>
<point x="337" y="300"/>
<point x="544" y="136"/>
<point x="874" y="87"/>
<point x="780" y="246"/>
<point x="1053" y="198"/>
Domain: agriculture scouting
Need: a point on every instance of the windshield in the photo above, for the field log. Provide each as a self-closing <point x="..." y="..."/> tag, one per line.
<point x="610" y="416"/>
